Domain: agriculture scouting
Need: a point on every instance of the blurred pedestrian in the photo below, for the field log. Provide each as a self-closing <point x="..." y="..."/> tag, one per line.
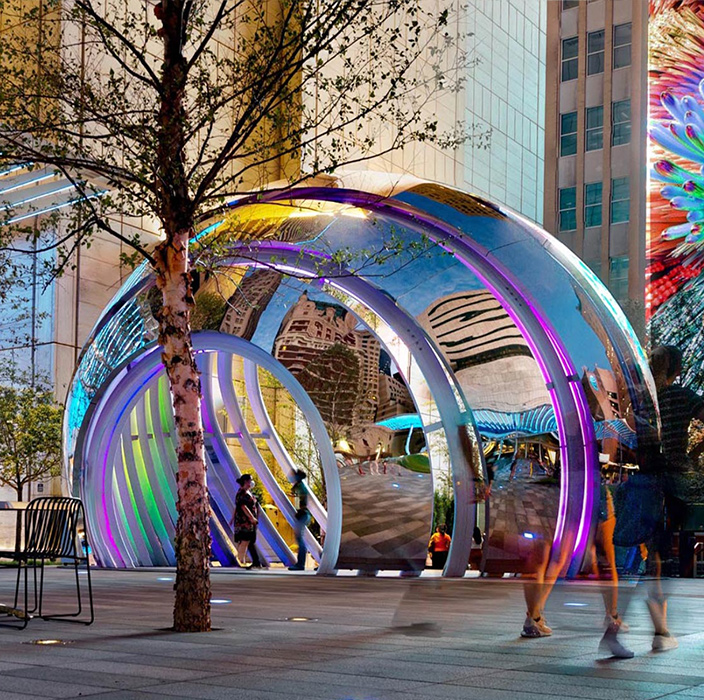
<point x="652" y="504"/>
<point x="300" y="493"/>
<point x="604" y="554"/>
<point x="678" y="407"/>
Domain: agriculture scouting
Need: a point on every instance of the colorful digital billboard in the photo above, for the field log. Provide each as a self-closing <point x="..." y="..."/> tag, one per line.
<point x="675" y="236"/>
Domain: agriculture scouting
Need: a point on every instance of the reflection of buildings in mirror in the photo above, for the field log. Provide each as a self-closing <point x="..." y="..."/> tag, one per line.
<point x="246" y="305"/>
<point x="486" y="351"/>
<point x="589" y="314"/>
<point x="324" y="339"/>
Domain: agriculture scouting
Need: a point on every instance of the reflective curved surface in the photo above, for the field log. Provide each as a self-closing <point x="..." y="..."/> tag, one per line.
<point x="420" y="338"/>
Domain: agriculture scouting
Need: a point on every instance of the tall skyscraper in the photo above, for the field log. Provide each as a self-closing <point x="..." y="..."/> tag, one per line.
<point x="596" y="141"/>
<point x="501" y="103"/>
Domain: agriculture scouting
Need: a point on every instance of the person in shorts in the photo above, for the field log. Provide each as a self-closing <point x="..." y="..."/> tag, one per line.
<point x="245" y="520"/>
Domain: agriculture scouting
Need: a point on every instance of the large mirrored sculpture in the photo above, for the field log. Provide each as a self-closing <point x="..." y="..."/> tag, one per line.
<point x="398" y="340"/>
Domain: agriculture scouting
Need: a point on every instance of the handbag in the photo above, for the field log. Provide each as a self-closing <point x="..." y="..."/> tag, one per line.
<point x="639" y="509"/>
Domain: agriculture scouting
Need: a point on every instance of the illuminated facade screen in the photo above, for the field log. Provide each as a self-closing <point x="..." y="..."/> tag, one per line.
<point x="675" y="235"/>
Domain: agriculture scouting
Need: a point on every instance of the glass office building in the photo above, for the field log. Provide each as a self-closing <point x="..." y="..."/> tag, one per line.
<point x="596" y="141"/>
<point x="506" y="94"/>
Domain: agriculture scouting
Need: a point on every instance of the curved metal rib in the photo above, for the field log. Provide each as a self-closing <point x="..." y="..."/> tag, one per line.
<point x="281" y="455"/>
<point x="221" y="451"/>
<point x="252" y="451"/>
<point x="237" y="346"/>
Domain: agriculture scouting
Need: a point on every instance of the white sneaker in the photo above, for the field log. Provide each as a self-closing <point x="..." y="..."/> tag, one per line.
<point x="610" y="644"/>
<point x="664" y="642"/>
<point x="535" y="628"/>
<point x="543" y="626"/>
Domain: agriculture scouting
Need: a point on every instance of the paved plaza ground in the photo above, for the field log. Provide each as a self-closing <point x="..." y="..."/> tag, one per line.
<point x="349" y="648"/>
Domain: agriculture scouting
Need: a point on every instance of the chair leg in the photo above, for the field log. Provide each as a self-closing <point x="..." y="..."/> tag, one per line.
<point x="37" y="600"/>
<point x="78" y="588"/>
<point x="26" y="599"/>
<point x="17" y="584"/>
<point x="90" y="594"/>
<point x="41" y="586"/>
<point x="36" y="596"/>
<point x="79" y="598"/>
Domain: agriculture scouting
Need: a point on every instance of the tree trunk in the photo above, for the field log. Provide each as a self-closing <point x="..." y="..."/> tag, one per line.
<point x="192" y="604"/>
<point x="18" y="520"/>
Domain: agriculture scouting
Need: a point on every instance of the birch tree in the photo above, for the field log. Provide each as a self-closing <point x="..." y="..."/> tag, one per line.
<point x="163" y="111"/>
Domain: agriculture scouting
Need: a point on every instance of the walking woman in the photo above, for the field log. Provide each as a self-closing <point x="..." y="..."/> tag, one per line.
<point x="245" y="520"/>
<point x="652" y="504"/>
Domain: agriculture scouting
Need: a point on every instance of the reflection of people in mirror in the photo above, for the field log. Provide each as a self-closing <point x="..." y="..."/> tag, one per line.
<point x="439" y="546"/>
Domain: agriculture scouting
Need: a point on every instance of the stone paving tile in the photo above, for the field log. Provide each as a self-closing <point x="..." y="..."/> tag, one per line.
<point x="696" y="692"/>
<point x="243" y="684"/>
<point x="311" y="685"/>
<point x="388" y="668"/>
<point x="51" y="655"/>
<point x="294" y="677"/>
<point x="8" y="666"/>
<point x="144" y="671"/>
<point x="462" y="658"/>
<point x="210" y="692"/>
<point x="562" y="687"/>
<point x="624" y="670"/>
<point x="448" y="692"/>
<point x="216" y="664"/>
<point x="111" y="681"/>
<point x="47" y="688"/>
<point x="129" y="695"/>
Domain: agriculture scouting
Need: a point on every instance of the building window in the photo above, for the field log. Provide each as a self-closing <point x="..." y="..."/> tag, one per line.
<point x="595" y="52"/>
<point x="568" y="209"/>
<point x="570" y="48"/>
<point x="569" y="4"/>
<point x="620" y="122"/>
<point x="622" y="45"/>
<point x="620" y="199"/>
<point x="592" y="204"/>
<point x="40" y="488"/>
<point x="618" y="278"/>
<point x="594" y="138"/>
<point x="568" y="134"/>
<point x="595" y="266"/>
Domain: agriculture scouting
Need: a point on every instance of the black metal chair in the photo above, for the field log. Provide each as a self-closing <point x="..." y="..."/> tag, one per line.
<point x="51" y="531"/>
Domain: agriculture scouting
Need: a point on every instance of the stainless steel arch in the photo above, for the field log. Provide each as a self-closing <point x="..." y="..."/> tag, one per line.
<point x="578" y="500"/>
<point x="496" y="247"/>
<point x="118" y="403"/>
